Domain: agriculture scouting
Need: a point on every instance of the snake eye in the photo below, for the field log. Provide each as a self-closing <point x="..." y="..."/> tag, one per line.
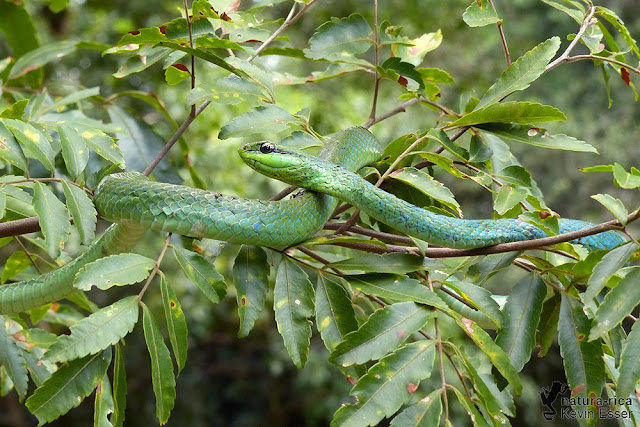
<point x="267" y="147"/>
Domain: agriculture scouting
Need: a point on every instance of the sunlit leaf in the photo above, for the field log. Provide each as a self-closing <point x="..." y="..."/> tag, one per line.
<point x="335" y="316"/>
<point x="480" y="14"/>
<point x="35" y="143"/>
<point x="511" y="112"/>
<point x="176" y="73"/>
<point x="385" y="329"/>
<point x="10" y="150"/>
<point x="96" y="332"/>
<point x="617" y="304"/>
<point x="538" y="136"/>
<point x="115" y="270"/>
<point x="615" y="206"/>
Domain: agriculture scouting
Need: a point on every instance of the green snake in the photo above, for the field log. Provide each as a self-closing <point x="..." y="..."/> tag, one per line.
<point x="136" y="204"/>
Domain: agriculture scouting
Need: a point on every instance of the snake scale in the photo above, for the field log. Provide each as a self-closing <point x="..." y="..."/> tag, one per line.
<point x="136" y="204"/>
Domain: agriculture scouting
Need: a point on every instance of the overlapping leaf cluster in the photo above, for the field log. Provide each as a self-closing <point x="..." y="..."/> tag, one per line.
<point x="379" y="314"/>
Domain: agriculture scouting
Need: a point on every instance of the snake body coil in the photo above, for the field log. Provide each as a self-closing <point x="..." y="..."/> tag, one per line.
<point x="136" y="204"/>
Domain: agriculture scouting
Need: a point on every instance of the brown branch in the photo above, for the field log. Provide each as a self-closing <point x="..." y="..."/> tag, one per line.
<point x="503" y="39"/>
<point x="19" y="226"/>
<point x="586" y="23"/>
<point x="380" y="235"/>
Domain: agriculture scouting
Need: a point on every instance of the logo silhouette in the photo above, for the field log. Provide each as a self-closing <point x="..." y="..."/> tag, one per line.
<point x="548" y="395"/>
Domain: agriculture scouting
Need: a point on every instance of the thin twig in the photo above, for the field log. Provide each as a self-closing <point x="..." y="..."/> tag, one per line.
<point x="586" y="23"/>
<point x="443" y="380"/>
<point x="503" y="39"/>
<point x="24" y="249"/>
<point x="155" y="268"/>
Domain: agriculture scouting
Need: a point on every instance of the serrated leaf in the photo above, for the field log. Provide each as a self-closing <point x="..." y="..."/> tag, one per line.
<point x="96" y="332"/>
<point x="263" y="78"/>
<point x="388" y="385"/>
<point x="144" y="59"/>
<point x="74" y="150"/>
<point x="615" y="206"/>
<point x="293" y="304"/>
<point x="54" y="218"/>
<point x="497" y="356"/>
<point x="115" y="270"/>
<point x="538" y="136"/>
<point x="202" y="273"/>
<point x="38" y="371"/>
<point x="511" y="112"/>
<point x="10" y="149"/>
<point x="68" y="386"/>
<point x="227" y="90"/>
<point x="251" y="279"/>
<point x="82" y="211"/>
<point x="629" y="363"/>
<point x="522" y="72"/>
<point x="480" y="298"/>
<point x="16" y="110"/>
<point x="424" y="413"/>
<point x="396" y="262"/>
<point x="441" y="137"/>
<point x="40" y="56"/>
<point x="582" y="359"/>
<point x="625" y="179"/>
<point x="265" y="118"/>
<point x="480" y="14"/>
<point x="35" y="144"/>
<point x="604" y="270"/>
<point x="397" y="288"/>
<point x="335" y="316"/>
<point x="162" y="378"/>
<point x="507" y="198"/>
<point x="119" y="388"/>
<point x="385" y="329"/>
<point x="426" y="184"/>
<point x="16" y="263"/>
<point x="340" y="38"/>
<point x="101" y="143"/>
<point x="176" y="73"/>
<point x="617" y="304"/>
<point x="176" y="323"/>
<point x="11" y="359"/>
<point x="103" y="404"/>
<point x="521" y="317"/>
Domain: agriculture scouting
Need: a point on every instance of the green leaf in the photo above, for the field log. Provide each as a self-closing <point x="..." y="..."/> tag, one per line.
<point x="618" y="24"/>
<point x="548" y="325"/>
<point x="15" y="263"/>
<point x="41" y="56"/>
<point x="293" y="298"/>
<point x="35" y="144"/>
<point x="385" y="330"/>
<point x="335" y="316"/>
<point x="10" y="150"/>
<point x="387" y="385"/>
<point x="425" y="413"/>
<point x="265" y="118"/>
<point x="202" y="273"/>
<point x="54" y="218"/>
<point x="522" y="314"/>
<point x="115" y="270"/>
<point x="538" y="136"/>
<point x="15" y="111"/>
<point x="143" y="59"/>
<point x="3" y="205"/>
<point x="176" y="73"/>
<point x="340" y="38"/>
<point x="441" y="137"/>
<point x="100" y="330"/>
<point x="82" y="211"/>
<point x="577" y="12"/>
<point x="259" y="75"/>
<point x="420" y="47"/>
<point x="74" y="150"/>
<point x="162" y="378"/>
<point x="68" y="386"/>
<point x="202" y="54"/>
<point x="583" y="362"/>
<point x="602" y="272"/>
<point x="12" y="360"/>
<point x="496" y="355"/>
<point x="398" y="71"/>
<point x="521" y="73"/>
<point x="629" y="364"/>
<point x="101" y="143"/>
<point x="480" y="298"/>
<point x="508" y="198"/>
<point x="480" y="14"/>
<point x="396" y="262"/>
<point x="397" y="288"/>
<point x="104" y="404"/>
<point x="426" y="184"/>
<point x="20" y="34"/>
<point x="615" y="206"/>
<point x="176" y="323"/>
<point x="617" y="304"/>
<point x="227" y="90"/>
<point x="251" y="279"/>
<point x="119" y="388"/>
<point x="511" y="112"/>
<point x="625" y="179"/>
<point x="73" y="98"/>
